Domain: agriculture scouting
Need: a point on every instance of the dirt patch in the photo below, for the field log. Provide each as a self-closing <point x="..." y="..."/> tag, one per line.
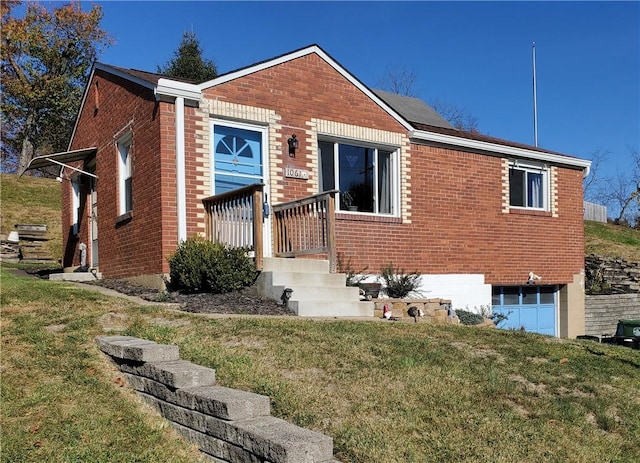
<point x="245" y="301"/>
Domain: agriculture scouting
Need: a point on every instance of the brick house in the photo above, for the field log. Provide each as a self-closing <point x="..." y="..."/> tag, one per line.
<point x="153" y="161"/>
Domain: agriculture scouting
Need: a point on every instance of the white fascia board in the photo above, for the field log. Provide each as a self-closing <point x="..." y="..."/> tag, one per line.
<point x="298" y="54"/>
<point x="174" y="89"/>
<point x="551" y="158"/>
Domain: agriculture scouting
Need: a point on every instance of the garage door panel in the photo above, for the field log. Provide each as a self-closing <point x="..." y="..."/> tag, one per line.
<point x="530" y="307"/>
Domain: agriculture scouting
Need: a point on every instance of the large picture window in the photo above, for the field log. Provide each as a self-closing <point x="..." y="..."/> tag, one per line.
<point x="366" y="176"/>
<point x="528" y="186"/>
<point x="125" y="174"/>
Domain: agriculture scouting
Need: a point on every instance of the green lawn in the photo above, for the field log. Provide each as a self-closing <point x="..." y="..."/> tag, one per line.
<point x="386" y="392"/>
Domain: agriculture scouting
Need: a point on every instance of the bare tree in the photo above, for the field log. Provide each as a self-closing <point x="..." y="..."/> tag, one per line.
<point x="622" y="191"/>
<point x="457" y="117"/>
<point x="400" y="80"/>
<point x="593" y="184"/>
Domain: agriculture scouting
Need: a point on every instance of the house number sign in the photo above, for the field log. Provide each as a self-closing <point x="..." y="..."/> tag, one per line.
<point x="290" y="172"/>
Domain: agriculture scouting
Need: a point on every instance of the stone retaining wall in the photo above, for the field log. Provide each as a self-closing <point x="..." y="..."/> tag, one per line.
<point x="436" y="311"/>
<point x="612" y="274"/>
<point x="603" y="312"/>
<point x="228" y="425"/>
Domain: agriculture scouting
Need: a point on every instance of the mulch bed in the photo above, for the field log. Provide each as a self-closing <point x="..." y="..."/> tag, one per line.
<point x="238" y="302"/>
<point x="245" y="301"/>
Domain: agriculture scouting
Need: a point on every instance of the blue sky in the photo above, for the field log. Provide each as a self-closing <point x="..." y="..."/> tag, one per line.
<point x="475" y="55"/>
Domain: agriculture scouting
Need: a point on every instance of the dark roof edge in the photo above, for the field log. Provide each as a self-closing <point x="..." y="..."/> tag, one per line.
<point x="476" y="140"/>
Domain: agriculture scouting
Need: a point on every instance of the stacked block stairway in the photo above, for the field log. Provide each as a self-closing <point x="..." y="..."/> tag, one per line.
<point x="315" y="292"/>
<point x="227" y="425"/>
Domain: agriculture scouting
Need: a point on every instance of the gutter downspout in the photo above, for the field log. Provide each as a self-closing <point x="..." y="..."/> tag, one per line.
<point x="179" y="93"/>
<point x="180" y="171"/>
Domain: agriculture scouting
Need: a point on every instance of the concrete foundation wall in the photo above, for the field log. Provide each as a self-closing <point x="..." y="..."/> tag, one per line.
<point x="227" y="425"/>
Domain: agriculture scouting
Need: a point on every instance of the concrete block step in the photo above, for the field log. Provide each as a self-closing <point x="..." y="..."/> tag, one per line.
<point x="318" y="293"/>
<point x="299" y="265"/>
<point x="331" y="309"/>
<point x="71" y="276"/>
<point x="291" y="279"/>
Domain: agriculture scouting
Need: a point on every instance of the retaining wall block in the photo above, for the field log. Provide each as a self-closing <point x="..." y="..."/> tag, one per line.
<point x="217" y="401"/>
<point x="140" y="350"/>
<point x="175" y="374"/>
<point x="282" y="442"/>
<point x="218" y="449"/>
<point x="227" y="404"/>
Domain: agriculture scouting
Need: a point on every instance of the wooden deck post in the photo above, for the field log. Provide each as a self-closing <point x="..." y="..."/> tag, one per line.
<point x="331" y="232"/>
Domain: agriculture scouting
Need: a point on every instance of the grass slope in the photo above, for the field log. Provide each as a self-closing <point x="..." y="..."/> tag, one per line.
<point x="32" y="200"/>
<point x="386" y="392"/>
<point x="612" y="240"/>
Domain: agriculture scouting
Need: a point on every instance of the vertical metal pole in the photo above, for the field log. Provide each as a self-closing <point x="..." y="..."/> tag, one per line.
<point x="535" y="99"/>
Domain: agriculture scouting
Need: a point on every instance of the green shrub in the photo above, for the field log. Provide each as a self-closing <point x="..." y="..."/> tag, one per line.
<point x="398" y="284"/>
<point x="203" y="266"/>
<point x="354" y="277"/>
<point x="469" y="318"/>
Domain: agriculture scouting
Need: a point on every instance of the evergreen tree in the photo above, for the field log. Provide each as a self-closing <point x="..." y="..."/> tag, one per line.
<point x="188" y="63"/>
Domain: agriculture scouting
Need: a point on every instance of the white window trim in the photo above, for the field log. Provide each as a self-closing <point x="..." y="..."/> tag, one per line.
<point x="75" y="205"/>
<point x="264" y="132"/>
<point x="534" y="167"/>
<point x="123" y="170"/>
<point x="395" y="172"/>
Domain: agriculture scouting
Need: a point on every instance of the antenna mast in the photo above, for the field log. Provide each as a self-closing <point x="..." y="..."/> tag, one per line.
<point x="535" y="99"/>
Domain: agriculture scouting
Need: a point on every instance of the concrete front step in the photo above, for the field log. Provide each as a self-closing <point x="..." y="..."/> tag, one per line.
<point x="304" y="279"/>
<point x="318" y="293"/>
<point x="315" y="291"/>
<point x="331" y="308"/>
<point x="280" y="265"/>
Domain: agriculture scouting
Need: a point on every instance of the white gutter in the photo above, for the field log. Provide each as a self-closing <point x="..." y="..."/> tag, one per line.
<point x="434" y="137"/>
<point x="179" y="92"/>
<point x="174" y="89"/>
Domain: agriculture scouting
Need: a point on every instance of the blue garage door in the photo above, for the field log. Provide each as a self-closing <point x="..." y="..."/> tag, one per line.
<point x="530" y="307"/>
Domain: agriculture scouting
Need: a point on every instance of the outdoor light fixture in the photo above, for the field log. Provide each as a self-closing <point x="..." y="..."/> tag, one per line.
<point x="293" y="145"/>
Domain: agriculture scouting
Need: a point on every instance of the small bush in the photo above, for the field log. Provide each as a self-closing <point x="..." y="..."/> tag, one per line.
<point x="398" y="284"/>
<point x="354" y="277"/>
<point x="203" y="266"/>
<point x="469" y="318"/>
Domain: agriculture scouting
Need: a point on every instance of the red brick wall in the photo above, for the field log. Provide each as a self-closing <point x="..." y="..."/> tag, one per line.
<point x="298" y="91"/>
<point x="457" y="224"/>
<point x="132" y="247"/>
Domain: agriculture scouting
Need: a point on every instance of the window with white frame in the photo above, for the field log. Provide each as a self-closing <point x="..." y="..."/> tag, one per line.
<point x="528" y="185"/>
<point x="125" y="174"/>
<point x="366" y="176"/>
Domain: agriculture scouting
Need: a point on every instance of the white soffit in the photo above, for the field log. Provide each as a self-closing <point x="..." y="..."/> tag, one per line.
<point x="506" y="150"/>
